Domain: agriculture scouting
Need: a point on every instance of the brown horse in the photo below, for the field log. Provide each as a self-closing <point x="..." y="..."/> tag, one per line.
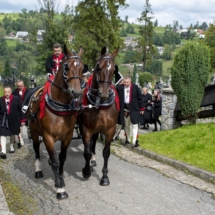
<point x="103" y="115"/>
<point x="60" y="108"/>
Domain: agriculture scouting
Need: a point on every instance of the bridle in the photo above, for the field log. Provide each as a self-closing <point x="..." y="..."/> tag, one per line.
<point x="65" y="69"/>
<point x="108" y="58"/>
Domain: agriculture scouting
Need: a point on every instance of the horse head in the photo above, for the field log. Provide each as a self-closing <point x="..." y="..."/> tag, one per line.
<point x="72" y="72"/>
<point x="104" y="72"/>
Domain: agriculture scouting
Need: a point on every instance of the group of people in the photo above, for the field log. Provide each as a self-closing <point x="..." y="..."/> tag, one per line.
<point x="136" y="109"/>
<point x="12" y="119"/>
<point x="152" y="109"/>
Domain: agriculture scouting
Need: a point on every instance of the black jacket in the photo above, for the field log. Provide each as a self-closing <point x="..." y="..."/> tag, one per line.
<point x="136" y="104"/>
<point x="16" y="93"/>
<point x="157" y="108"/>
<point x="14" y="117"/>
<point x="146" y="98"/>
<point x="50" y="64"/>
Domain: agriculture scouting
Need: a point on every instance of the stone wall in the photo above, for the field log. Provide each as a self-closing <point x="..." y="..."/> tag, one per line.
<point x="169" y="100"/>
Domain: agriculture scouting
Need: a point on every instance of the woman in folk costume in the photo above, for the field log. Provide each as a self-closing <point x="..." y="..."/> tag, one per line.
<point x="21" y="91"/>
<point x="11" y="117"/>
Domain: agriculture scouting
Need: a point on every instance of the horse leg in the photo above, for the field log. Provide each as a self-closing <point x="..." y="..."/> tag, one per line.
<point x="86" y="171"/>
<point x="36" y="146"/>
<point x="62" y="155"/>
<point x="53" y="162"/>
<point x="93" y="148"/>
<point x="106" y="153"/>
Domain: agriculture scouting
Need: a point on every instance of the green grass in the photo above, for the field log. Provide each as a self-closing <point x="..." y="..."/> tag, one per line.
<point x="167" y="64"/>
<point x="192" y="144"/>
<point x="11" y="43"/>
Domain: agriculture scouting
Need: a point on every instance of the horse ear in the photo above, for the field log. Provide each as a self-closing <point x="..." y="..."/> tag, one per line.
<point x="103" y="51"/>
<point x="66" y="51"/>
<point x="80" y="52"/>
<point x="113" y="55"/>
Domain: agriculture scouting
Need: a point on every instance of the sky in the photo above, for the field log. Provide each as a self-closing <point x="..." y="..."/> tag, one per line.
<point x="165" y="11"/>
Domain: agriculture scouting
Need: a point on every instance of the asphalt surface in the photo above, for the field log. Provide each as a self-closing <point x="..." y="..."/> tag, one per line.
<point x="138" y="185"/>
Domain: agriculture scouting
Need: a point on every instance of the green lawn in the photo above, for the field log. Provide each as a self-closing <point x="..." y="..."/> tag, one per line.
<point x="12" y="15"/>
<point x="167" y="64"/>
<point x="11" y="43"/>
<point x="192" y="144"/>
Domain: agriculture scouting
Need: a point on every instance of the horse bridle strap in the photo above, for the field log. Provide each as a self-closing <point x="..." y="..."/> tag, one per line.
<point x="108" y="64"/>
<point x="51" y="81"/>
<point x="65" y="68"/>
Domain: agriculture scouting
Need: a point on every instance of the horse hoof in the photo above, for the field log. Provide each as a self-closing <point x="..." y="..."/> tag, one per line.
<point x="104" y="182"/>
<point x="61" y="196"/>
<point x="93" y="163"/>
<point x="39" y="174"/>
<point x="91" y="168"/>
<point x="85" y="175"/>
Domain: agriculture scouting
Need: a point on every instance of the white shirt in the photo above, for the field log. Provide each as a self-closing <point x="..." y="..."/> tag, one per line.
<point x="7" y="103"/>
<point x="127" y="94"/>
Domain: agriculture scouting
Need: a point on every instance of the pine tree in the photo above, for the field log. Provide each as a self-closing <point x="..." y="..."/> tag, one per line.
<point x="134" y="74"/>
<point x="146" y="33"/>
<point x="7" y="72"/>
<point x="97" y="25"/>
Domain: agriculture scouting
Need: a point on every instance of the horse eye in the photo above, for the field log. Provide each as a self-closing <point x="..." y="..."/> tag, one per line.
<point x="66" y="67"/>
<point x="98" y="68"/>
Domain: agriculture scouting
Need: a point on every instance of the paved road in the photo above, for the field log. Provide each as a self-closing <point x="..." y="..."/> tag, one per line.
<point x="133" y="189"/>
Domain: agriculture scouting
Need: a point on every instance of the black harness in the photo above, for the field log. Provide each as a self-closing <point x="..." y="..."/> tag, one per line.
<point x="96" y="100"/>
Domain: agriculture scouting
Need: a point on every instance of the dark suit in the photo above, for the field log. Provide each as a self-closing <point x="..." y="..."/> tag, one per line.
<point x="14" y="117"/>
<point x="135" y="106"/>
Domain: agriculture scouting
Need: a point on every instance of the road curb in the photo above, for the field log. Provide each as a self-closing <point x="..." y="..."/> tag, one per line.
<point x="203" y="174"/>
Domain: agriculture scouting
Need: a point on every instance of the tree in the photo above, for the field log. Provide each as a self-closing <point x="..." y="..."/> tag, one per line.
<point x="156" y="23"/>
<point x="155" y="67"/>
<point x="146" y="33"/>
<point x="96" y="25"/>
<point x="55" y="30"/>
<point x="189" y="72"/>
<point x="134" y="74"/>
<point x="204" y="26"/>
<point x="145" y="77"/>
<point x="3" y="46"/>
<point x="7" y="72"/>
<point x="123" y="32"/>
<point x="167" y="53"/>
<point x="158" y="39"/>
<point x="210" y="42"/>
<point x="130" y="29"/>
<point x="126" y="19"/>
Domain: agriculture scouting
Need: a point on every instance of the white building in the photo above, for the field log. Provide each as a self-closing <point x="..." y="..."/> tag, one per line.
<point x="21" y="34"/>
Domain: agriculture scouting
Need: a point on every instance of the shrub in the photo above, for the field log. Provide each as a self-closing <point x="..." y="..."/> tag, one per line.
<point x="190" y="71"/>
<point x="145" y="77"/>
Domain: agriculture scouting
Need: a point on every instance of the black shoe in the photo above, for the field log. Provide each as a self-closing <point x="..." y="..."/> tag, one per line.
<point x="19" y="145"/>
<point x="155" y="130"/>
<point x="137" y="143"/>
<point x="143" y="127"/>
<point x="3" y="155"/>
<point x="127" y="142"/>
<point x="116" y="138"/>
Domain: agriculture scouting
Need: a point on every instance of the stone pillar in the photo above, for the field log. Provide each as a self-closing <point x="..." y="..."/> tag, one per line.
<point x="169" y="100"/>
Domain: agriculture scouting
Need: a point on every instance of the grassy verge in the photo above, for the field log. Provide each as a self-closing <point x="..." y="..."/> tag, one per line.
<point x="18" y="202"/>
<point x="192" y="144"/>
